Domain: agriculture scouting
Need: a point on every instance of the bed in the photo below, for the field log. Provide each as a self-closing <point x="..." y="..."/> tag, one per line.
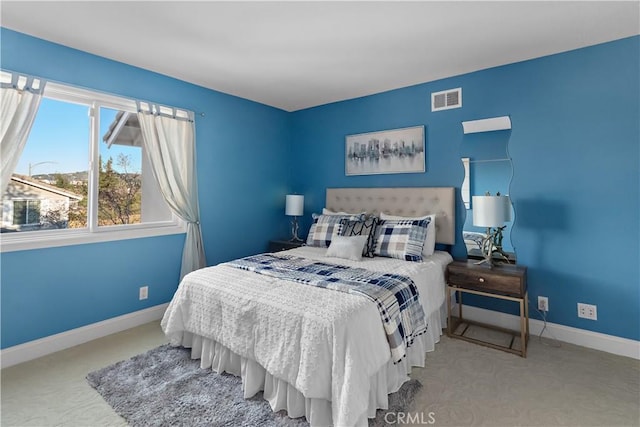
<point x="315" y="352"/>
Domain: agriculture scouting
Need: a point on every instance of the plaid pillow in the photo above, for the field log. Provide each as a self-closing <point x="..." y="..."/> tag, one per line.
<point x="366" y="227"/>
<point x="402" y="239"/>
<point x="324" y="227"/>
<point x="430" y="239"/>
<point x="312" y="229"/>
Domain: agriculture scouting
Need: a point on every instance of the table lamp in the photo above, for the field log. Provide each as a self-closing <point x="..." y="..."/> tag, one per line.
<point x="294" y="207"/>
<point x="491" y="212"/>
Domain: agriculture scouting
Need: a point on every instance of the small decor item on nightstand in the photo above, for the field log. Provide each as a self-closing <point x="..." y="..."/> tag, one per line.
<point x="491" y="212"/>
<point x="295" y="208"/>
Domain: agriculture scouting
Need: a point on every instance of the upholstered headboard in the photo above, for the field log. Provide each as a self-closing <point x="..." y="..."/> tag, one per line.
<point x="400" y="201"/>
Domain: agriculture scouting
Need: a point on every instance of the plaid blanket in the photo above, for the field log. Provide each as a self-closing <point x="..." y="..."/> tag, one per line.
<point x="395" y="296"/>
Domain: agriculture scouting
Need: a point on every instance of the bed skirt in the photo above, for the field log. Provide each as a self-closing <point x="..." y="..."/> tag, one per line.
<point x="283" y="396"/>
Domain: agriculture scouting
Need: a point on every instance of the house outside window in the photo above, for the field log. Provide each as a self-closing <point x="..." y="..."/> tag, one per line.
<point x="31" y="205"/>
<point x="83" y="176"/>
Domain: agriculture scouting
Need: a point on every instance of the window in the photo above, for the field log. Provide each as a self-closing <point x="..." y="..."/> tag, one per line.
<point x="127" y="191"/>
<point x="26" y="212"/>
<point x="83" y="176"/>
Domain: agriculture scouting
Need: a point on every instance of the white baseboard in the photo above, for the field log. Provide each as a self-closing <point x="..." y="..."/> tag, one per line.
<point x="582" y="337"/>
<point x="53" y="343"/>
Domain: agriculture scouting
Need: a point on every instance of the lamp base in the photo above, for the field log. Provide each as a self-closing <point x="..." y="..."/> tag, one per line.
<point x="490" y="263"/>
<point x="489" y="247"/>
<point x="294" y="230"/>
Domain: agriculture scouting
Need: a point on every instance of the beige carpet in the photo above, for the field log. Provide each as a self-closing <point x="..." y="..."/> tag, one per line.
<point x="464" y="384"/>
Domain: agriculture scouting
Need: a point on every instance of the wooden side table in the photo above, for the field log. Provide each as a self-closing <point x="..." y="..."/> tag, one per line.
<point x="502" y="281"/>
<point x="283" y="245"/>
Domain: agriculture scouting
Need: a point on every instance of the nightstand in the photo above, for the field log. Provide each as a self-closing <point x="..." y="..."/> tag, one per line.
<point x="502" y="281"/>
<point x="283" y="245"/>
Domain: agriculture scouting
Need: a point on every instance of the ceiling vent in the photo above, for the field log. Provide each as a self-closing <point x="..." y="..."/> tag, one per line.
<point x="447" y="99"/>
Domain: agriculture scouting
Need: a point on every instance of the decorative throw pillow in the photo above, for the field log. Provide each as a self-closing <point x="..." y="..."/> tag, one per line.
<point x="402" y="239"/>
<point x="325" y="227"/>
<point x="430" y="240"/>
<point x="312" y="229"/>
<point x="347" y="247"/>
<point x="365" y="227"/>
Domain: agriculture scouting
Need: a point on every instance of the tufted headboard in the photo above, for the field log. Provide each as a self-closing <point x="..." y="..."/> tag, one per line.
<point x="406" y="201"/>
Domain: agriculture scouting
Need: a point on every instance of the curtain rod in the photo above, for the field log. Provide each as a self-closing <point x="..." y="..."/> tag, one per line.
<point x="30" y="77"/>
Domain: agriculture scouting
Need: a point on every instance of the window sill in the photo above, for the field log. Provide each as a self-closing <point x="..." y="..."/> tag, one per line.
<point x="50" y="239"/>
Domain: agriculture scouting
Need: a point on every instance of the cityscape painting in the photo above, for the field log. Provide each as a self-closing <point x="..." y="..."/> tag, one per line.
<point x="389" y="151"/>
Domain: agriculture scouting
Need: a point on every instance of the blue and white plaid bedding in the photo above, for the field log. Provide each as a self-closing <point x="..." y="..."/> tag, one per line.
<point x="396" y="296"/>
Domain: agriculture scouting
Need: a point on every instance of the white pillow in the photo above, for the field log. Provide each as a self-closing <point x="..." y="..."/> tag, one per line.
<point x="326" y="211"/>
<point x="430" y="241"/>
<point x="347" y="247"/>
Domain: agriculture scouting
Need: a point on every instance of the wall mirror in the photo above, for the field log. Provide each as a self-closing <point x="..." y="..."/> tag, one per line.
<point x="488" y="168"/>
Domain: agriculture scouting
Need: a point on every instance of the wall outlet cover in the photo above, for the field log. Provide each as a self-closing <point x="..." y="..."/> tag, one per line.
<point x="543" y="303"/>
<point x="587" y="311"/>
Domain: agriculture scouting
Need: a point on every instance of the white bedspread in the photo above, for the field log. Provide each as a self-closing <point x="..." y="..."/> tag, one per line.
<point x="326" y="344"/>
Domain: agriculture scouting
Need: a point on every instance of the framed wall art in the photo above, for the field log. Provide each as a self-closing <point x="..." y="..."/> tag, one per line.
<point x="389" y="151"/>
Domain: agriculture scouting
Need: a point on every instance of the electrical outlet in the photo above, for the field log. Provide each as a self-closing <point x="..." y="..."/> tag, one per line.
<point x="144" y="292"/>
<point x="587" y="311"/>
<point x="543" y="303"/>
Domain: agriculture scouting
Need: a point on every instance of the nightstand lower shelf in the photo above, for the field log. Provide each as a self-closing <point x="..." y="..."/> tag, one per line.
<point x="457" y="326"/>
<point x="460" y="327"/>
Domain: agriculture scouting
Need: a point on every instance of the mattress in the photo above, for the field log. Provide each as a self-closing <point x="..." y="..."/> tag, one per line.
<point x="315" y="352"/>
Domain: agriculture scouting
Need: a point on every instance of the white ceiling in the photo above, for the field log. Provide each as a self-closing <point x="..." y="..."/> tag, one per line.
<point x="295" y="55"/>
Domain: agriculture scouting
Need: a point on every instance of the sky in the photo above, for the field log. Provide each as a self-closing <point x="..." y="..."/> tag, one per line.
<point x="59" y="140"/>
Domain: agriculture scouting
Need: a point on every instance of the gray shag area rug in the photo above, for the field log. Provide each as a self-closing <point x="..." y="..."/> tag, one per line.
<point x="165" y="387"/>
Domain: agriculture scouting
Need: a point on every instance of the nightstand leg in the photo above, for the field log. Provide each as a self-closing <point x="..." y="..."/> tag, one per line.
<point x="523" y="326"/>
<point x="526" y="310"/>
<point x="526" y="316"/>
<point x="448" y="311"/>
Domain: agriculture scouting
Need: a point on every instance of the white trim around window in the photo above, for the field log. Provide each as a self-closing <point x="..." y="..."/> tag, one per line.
<point x="11" y="242"/>
<point x="19" y="241"/>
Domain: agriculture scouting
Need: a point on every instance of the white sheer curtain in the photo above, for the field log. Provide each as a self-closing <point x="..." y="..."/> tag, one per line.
<point x="20" y="100"/>
<point x="170" y="145"/>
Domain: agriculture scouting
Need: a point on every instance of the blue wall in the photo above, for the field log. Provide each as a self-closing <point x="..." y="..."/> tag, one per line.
<point x="242" y="150"/>
<point x="575" y="150"/>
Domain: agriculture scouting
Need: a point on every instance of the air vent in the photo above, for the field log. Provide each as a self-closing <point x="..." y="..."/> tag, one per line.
<point x="446" y="99"/>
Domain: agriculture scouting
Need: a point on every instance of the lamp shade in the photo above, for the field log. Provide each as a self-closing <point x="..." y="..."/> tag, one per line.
<point x="491" y="211"/>
<point x="294" y="205"/>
